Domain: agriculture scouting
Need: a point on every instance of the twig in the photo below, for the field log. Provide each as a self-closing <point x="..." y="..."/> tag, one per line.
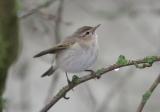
<point x="57" y="36"/>
<point x="76" y="81"/>
<point x="34" y="10"/>
<point x="114" y="91"/>
<point x="147" y="94"/>
<point x="58" y="21"/>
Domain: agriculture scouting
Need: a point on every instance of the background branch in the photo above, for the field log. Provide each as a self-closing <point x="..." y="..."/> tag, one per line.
<point x="32" y="11"/>
<point x="122" y="62"/>
<point x="147" y="94"/>
<point x="104" y="106"/>
<point x="57" y="37"/>
<point x="58" y="21"/>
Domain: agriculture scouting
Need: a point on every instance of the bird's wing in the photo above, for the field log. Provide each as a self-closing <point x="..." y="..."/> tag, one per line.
<point x="64" y="45"/>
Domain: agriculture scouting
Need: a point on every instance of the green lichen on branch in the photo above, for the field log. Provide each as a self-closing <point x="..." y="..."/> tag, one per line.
<point x="148" y="93"/>
<point x="148" y="62"/>
<point x="142" y="66"/>
<point x="150" y="59"/>
<point x="8" y="40"/>
<point x="146" y="96"/>
<point x="122" y="60"/>
<point x="75" y="79"/>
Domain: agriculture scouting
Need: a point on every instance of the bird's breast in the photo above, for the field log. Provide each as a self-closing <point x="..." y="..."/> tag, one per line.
<point x="77" y="58"/>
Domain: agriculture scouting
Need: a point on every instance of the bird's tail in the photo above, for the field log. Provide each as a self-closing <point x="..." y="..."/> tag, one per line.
<point x="50" y="71"/>
<point x="48" y="51"/>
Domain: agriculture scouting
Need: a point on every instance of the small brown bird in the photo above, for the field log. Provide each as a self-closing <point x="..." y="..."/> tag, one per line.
<point x="76" y="53"/>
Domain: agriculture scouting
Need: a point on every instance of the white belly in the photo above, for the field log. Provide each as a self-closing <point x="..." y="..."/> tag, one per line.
<point x="77" y="59"/>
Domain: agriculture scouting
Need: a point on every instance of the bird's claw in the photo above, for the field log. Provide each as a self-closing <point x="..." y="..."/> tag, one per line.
<point x="65" y="97"/>
<point x="93" y="73"/>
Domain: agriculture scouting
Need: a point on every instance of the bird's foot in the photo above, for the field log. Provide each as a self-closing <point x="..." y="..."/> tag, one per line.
<point x="65" y="97"/>
<point x="93" y="73"/>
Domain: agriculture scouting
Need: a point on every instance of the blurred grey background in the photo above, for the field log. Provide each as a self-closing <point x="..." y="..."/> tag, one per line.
<point x="128" y="27"/>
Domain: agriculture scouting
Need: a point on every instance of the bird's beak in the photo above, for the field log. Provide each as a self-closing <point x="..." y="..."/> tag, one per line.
<point x="94" y="28"/>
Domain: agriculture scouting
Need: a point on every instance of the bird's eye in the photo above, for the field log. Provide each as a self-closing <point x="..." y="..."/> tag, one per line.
<point x="87" y="33"/>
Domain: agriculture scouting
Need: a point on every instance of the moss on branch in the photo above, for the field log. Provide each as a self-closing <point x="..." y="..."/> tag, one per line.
<point x="8" y="40"/>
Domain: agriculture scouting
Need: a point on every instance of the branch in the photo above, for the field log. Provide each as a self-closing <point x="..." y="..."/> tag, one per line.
<point x="32" y="11"/>
<point x="58" y="21"/>
<point x="57" y="36"/>
<point x="122" y="62"/>
<point x="115" y="90"/>
<point x="148" y="94"/>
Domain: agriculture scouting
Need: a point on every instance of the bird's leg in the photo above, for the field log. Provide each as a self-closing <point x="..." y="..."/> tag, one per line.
<point x="69" y="82"/>
<point x="93" y="73"/>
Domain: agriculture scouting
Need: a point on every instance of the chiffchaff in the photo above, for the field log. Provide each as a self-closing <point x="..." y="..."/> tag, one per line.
<point x="76" y="53"/>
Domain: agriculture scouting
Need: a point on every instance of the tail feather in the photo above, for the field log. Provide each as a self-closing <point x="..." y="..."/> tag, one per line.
<point x="44" y="53"/>
<point x="49" y="72"/>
